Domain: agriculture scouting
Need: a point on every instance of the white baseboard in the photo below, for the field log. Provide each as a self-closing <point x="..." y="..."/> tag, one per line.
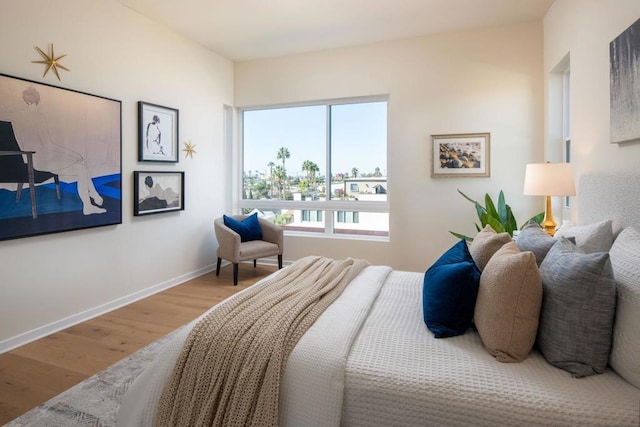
<point x="40" y="332"/>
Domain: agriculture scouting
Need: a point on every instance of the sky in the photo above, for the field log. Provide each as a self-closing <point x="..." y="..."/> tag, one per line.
<point x="359" y="137"/>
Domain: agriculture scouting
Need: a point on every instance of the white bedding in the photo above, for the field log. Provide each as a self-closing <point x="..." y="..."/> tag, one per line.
<point x="399" y="375"/>
<point x="387" y="369"/>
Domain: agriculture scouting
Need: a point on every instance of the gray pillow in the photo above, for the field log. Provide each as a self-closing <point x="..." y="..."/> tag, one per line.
<point x="578" y="305"/>
<point x="597" y="237"/>
<point x="533" y="238"/>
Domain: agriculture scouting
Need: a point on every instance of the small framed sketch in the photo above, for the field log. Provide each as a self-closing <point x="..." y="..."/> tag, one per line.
<point x="157" y="133"/>
<point x="157" y="192"/>
<point x="460" y="155"/>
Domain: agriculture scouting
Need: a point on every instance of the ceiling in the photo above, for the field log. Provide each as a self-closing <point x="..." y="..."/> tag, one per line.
<point x="250" y="29"/>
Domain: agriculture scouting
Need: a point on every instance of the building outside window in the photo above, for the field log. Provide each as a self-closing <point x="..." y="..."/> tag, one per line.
<point x="348" y="217"/>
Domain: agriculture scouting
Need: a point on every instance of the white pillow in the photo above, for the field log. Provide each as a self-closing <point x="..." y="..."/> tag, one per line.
<point x="590" y="238"/>
<point x="625" y="351"/>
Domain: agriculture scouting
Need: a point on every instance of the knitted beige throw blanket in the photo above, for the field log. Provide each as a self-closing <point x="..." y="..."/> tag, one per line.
<point x="230" y="368"/>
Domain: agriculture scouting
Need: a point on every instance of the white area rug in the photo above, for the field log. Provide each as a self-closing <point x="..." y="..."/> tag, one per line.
<point x="95" y="401"/>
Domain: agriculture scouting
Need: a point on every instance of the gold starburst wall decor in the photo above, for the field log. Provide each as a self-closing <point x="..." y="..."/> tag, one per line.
<point x="189" y="149"/>
<point x="51" y="60"/>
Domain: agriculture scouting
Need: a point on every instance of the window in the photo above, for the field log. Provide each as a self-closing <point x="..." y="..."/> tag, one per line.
<point x="311" y="216"/>
<point x="566" y="124"/>
<point x="304" y="164"/>
<point x="348" y="217"/>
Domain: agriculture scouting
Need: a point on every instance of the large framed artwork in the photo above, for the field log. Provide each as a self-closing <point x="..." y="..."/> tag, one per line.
<point x="157" y="192"/>
<point x="460" y="155"/>
<point x="624" y="58"/>
<point x="60" y="159"/>
<point x="157" y="133"/>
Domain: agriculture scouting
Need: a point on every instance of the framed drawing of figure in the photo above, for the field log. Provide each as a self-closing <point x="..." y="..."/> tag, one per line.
<point x="157" y="133"/>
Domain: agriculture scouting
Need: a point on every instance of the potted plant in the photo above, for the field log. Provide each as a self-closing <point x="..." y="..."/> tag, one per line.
<point x="499" y="216"/>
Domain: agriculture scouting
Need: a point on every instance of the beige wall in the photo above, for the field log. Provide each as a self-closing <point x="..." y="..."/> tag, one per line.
<point x="477" y="81"/>
<point x="47" y="282"/>
<point x="582" y="30"/>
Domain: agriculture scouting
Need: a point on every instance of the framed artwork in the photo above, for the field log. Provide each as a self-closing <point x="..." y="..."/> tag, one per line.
<point x="625" y="85"/>
<point x="157" y="133"/>
<point x="157" y="192"/>
<point x="60" y="159"/>
<point x="460" y="155"/>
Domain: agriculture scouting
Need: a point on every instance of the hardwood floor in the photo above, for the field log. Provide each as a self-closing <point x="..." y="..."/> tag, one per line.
<point x="38" y="371"/>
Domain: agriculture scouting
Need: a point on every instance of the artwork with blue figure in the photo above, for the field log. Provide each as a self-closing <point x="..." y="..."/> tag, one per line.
<point x="75" y="137"/>
<point x="32" y="132"/>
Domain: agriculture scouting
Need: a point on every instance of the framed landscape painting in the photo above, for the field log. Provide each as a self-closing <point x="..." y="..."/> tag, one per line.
<point x="60" y="159"/>
<point x="460" y="155"/>
<point x="157" y="192"/>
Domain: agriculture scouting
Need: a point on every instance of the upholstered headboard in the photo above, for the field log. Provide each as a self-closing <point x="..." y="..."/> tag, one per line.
<point x="614" y="196"/>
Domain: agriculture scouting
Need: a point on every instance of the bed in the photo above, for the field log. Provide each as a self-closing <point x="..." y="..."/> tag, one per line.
<point x="369" y="360"/>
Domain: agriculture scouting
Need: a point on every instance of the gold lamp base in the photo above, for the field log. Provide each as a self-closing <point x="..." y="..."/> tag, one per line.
<point x="548" y="223"/>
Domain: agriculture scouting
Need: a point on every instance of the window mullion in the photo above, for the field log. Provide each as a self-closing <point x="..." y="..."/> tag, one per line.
<point x="328" y="218"/>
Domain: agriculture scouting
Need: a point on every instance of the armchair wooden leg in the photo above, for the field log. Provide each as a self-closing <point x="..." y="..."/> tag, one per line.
<point x="279" y="262"/>
<point x="218" y="266"/>
<point x="254" y="263"/>
<point x="235" y="274"/>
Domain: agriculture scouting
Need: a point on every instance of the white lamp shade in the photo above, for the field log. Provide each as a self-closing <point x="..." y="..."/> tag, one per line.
<point x="549" y="179"/>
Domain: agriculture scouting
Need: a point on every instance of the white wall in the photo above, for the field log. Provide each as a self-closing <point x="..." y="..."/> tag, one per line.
<point x="583" y="29"/>
<point x="491" y="80"/>
<point x="114" y="52"/>
<point x="477" y="81"/>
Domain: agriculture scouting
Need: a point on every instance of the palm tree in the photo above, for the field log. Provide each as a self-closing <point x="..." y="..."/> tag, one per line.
<point x="311" y="169"/>
<point x="271" y="165"/>
<point x="281" y="176"/>
<point x="283" y="154"/>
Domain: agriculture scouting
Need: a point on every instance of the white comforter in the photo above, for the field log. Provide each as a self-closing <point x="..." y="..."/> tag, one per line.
<point x="370" y="361"/>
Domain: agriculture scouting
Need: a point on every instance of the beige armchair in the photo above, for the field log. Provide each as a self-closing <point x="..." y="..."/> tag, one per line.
<point x="232" y="249"/>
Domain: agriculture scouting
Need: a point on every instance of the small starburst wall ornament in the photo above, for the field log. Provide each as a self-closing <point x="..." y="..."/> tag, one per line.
<point x="51" y="61"/>
<point x="189" y="149"/>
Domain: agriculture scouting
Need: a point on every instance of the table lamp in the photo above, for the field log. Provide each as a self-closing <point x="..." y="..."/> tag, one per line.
<point x="549" y="179"/>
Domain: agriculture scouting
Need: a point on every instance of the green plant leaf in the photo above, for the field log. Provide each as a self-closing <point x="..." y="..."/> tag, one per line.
<point x="490" y="207"/>
<point x="480" y="211"/>
<point x="467" y="197"/>
<point x="494" y="223"/>
<point x="502" y="208"/>
<point x="537" y="219"/>
<point x="510" y="224"/>
<point x="462" y="236"/>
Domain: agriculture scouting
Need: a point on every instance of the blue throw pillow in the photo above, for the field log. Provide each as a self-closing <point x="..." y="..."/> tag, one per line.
<point x="248" y="228"/>
<point x="449" y="292"/>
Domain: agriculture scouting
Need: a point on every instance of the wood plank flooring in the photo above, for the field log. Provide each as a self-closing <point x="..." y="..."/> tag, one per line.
<point x="38" y="371"/>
